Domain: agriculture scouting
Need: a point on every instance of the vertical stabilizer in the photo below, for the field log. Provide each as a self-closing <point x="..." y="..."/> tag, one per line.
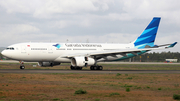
<point x="147" y="38"/>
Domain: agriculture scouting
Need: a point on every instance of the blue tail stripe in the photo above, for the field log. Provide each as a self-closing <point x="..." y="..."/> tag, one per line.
<point x="143" y="38"/>
<point x="154" y="23"/>
<point x="149" y="33"/>
<point x="148" y="30"/>
<point x="148" y="40"/>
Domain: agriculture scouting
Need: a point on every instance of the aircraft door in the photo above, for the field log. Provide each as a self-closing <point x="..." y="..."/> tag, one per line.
<point x="50" y="49"/>
<point x="23" y="49"/>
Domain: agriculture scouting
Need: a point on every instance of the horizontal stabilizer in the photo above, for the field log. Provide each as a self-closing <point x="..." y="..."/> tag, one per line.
<point x="172" y="45"/>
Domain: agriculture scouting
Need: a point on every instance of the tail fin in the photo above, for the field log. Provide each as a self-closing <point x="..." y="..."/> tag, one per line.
<point x="147" y="38"/>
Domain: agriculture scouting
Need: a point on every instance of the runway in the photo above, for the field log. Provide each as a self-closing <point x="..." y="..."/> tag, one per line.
<point x="26" y="71"/>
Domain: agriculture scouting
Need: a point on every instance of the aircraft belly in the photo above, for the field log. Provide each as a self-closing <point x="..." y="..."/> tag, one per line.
<point x="35" y="57"/>
<point x="59" y="59"/>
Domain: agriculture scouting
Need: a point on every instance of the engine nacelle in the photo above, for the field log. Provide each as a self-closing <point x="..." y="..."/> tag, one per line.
<point x="48" y="64"/>
<point x="82" y="61"/>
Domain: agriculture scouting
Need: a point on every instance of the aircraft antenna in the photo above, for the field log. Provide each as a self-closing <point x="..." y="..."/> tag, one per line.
<point x="87" y="41"/>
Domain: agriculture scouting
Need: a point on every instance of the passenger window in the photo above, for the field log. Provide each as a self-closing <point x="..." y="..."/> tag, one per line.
<point x="10" y="48"/>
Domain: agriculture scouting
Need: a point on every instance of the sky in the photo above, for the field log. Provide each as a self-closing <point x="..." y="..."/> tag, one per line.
<point x="93" y="21"/>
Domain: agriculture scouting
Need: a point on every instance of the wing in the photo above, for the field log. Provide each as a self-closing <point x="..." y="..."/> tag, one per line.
<point x="123" y="52"/>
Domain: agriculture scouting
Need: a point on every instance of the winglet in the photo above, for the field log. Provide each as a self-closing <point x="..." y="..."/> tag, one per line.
<point x="172" y="45"/>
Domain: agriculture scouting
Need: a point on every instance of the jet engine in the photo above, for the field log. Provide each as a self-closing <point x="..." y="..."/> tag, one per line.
<point x="82" y="61"/>
<point x="48" y="64"/>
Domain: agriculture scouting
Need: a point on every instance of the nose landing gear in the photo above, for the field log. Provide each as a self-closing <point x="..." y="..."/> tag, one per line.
<point x="22" y="65"/>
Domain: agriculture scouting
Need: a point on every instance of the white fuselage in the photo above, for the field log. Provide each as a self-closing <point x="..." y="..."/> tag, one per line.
<point x="50" y="52"/>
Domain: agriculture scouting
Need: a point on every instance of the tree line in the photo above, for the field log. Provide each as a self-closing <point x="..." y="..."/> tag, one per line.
<point x="1" y="57"/>
<point x="156" y="57"/>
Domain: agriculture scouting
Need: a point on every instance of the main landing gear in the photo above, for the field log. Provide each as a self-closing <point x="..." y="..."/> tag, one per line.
<point x="91" y="68"/>
<point x="75" y="68"/>
<point x="96" y="68"/>
<point x="22" y="65"/>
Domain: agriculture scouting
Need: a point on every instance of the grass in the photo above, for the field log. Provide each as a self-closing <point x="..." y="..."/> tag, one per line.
<point x="99" y="86"/>
<point x="55" y="99"/>
<point x="19" y="93"/>
<point x="176" y="85"/>
<point x="159" y="88"/>
<point x="127" y="89"/>
<point x="118" y="74"/>
<point x="127" y="85"/>
<point x="148" y="87"/>
<point x="103" y="87"/>
<point x="97" y="99"/>
<point x="138" y="88"/>
<point x="80" y="91"/>
<point x="66" y="66"/>
<point x="2" y="97"/>
<point x="176" y="97"/>
<point x="129" y="78"/>
<point x="112" y="94"/>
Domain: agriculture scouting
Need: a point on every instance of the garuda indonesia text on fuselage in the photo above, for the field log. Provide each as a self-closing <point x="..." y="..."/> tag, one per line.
<point x="85" y="54"/>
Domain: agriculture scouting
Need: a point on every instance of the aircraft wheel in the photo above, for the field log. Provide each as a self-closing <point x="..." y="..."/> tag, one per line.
<point x="100" y="67"/>
<point x="76" y="68"/>
<point x="92" y="68"/>
<point x="72" y="68"/>
<point x="51" y="64"/>
<point x="95" y="67"/>
<point x="22" y="67"/>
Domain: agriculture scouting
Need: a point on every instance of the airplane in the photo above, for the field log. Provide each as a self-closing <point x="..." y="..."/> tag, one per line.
<point x="85" y="54"/>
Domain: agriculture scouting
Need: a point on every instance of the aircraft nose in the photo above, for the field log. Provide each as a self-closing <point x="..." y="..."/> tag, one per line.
<point x="4" y="53"/>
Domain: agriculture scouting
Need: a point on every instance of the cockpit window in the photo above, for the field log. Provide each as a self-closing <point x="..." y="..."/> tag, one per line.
<point x="10" y="48"/>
